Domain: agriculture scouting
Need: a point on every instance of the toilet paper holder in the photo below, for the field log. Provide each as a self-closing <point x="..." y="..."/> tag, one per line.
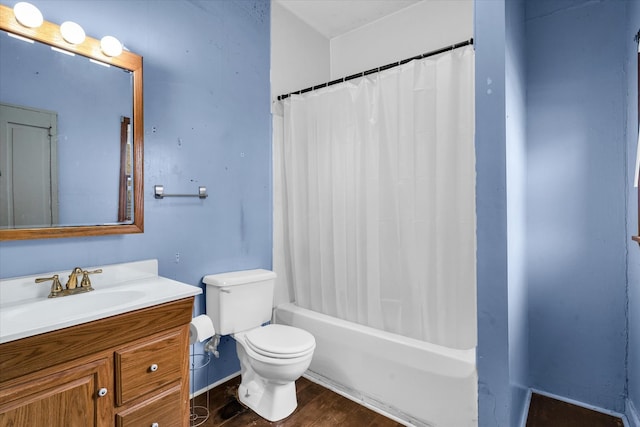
<point x="198" y="414"/>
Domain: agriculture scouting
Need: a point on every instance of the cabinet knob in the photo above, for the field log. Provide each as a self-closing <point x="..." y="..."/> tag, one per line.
<point x="155" y="425"/>
<point x="102" y="392"/>
<point x="153" y="367"/>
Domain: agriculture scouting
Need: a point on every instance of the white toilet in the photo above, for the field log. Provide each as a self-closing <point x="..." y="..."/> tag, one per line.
<point x="272" y="357"/>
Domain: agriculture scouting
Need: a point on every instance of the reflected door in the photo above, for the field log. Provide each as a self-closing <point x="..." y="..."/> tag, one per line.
<point x="28" y="167"/>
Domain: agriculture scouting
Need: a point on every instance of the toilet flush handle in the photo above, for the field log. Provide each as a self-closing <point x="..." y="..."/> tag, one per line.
<point x="211" y="346"/>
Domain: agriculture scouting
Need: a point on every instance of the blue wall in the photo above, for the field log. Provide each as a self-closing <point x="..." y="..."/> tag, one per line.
<point x="516" y="120"/>
<point x="494" y="395"/>
<point x="568" y="275"/>
<point x="576" y="230"/>
<point x="501" y="208"/>
<point x="633" y="250"/>
<point x="207" y="122"/>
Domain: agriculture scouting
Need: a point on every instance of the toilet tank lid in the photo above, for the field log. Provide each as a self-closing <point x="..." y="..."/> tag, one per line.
<point x="238" y="277"/>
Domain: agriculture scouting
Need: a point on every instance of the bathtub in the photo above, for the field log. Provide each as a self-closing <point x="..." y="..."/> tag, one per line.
<point x="414" y="382"/>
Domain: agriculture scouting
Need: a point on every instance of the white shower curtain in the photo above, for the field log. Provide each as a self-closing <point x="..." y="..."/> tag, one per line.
<point x="375" y="200"/>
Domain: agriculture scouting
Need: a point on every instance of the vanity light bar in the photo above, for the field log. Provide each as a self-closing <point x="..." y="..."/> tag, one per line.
<point x="30" y="17"/>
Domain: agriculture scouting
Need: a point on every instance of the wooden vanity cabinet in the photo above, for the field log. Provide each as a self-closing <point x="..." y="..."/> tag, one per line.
<point x="127" y="370"/>
<point x="65" y="398"/>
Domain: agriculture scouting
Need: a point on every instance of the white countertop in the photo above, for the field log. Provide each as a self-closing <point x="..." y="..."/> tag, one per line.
<point x="25" y="309"/>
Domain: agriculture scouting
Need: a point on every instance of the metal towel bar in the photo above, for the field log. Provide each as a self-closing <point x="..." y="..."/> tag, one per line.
<point x="160" y="194"/>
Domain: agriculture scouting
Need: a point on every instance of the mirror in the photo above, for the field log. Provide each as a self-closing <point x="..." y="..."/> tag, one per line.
<point x="84" y="158"/>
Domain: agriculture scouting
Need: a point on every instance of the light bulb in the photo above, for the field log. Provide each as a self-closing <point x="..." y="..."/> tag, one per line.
<point x="28" y="15"/>
<point x="72" y="32"/>
<point x="110" y="46"/>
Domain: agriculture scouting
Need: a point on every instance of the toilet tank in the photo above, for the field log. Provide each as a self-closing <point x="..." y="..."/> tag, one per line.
<point x="239" y="300"/>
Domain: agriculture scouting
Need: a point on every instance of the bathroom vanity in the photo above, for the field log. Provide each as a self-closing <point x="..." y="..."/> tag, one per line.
<point x="127" y="368"/>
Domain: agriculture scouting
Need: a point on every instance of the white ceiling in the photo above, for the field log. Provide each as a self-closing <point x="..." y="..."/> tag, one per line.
<point x="332" y="18"/>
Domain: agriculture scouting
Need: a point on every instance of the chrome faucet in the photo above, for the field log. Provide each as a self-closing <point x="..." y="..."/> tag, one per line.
<point x="71" y="288"/>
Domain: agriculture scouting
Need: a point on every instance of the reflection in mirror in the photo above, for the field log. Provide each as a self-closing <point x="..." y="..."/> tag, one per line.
<point x="125" y="201"/>
<point x="71" y="133"/>
<point x="29" y="167"/>
<point x="89" y="101"/>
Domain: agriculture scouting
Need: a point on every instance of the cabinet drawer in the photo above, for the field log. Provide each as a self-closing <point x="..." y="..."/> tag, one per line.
<point x="147" y="366"/>
<point x="165" y="410"/>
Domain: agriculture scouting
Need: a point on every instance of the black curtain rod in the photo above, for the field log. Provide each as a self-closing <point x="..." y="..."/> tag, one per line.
<point x="377" y="70"/>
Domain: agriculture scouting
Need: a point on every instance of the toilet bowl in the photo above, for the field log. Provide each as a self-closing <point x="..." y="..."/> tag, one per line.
<point x="272" y="358"/>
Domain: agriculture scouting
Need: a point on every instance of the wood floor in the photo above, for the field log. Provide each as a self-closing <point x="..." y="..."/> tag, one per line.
<point x="547" y="412"/>
<point x="317" y="407"/>
<point x="321" y="407"/>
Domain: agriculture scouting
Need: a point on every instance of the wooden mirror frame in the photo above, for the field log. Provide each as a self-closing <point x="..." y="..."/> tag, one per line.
<point x="49" y="33"/>
<point x="637" y="238"/>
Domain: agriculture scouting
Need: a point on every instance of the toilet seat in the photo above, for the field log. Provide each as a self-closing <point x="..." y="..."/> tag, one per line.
<point x="280" y="341"/>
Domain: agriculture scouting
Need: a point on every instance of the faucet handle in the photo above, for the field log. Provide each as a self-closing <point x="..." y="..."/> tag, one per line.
<point x="86" y="283"/>
<point x="56" y="286"/>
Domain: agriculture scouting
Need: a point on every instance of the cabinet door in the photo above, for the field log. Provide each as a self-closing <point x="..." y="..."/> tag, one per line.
<point x="69" y="398"/>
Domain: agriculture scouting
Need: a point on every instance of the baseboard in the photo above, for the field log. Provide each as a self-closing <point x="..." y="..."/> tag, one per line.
<point x="215" y="384"/>
<point x="633" y="416"/>
<point x="324" y="382"/>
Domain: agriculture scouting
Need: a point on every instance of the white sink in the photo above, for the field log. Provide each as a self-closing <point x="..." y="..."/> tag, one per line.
<point x="25" y="309"/>
<point x="70" y="307"/>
